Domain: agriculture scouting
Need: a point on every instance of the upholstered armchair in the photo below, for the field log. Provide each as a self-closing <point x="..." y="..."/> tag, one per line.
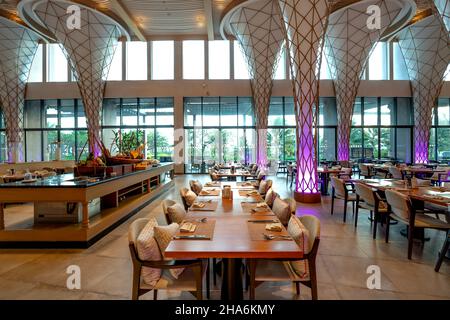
<point x="340" y="191"/>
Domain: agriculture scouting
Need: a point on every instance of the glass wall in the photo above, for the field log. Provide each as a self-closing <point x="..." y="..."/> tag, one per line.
<point x="115" y="71"/>
<point x="219" y="59"/>
<point x="57" y="66"/>
<point x="194" y="59"/>
<point x="36" y="74"/>
<point x="218" y="129"/>
<point x="163" y="56"/>
<point x="241" y="70"/>
<point x="379" y="62"/>
<point x="137" y="60"/>
<point x="440" y="133"/>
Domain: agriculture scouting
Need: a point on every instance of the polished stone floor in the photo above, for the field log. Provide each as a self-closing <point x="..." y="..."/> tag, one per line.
<point x="343" y="259"/>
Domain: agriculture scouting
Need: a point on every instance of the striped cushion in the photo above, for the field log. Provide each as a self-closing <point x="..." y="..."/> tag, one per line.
<point x="148" y="250"/>
<point x="163" y="236"/>
<point x="300" y="234"/>
<point x="176" y="213"/>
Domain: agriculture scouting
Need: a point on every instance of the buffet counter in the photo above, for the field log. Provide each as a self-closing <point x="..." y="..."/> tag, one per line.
<point x="74" y="211"/>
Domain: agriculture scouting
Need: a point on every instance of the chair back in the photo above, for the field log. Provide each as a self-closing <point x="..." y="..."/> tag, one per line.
<point x="365" y="193"/>
<point x="195" y="186"/>
<point x="437" y="175"/>
<point x="312" y="224"/>
<point x="339" y="186"/>
<point x="135" y="229"/>
<point x="363" y="169"/>
<point x="183" y="197"/>
<point x="400" y="203"/>
<point x="395" y="172"/>
<point x="165" y="204"/>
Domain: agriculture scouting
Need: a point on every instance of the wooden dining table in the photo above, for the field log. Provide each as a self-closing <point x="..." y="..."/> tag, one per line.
<point x="239" y="173"/>
<point x="233" y="239"/>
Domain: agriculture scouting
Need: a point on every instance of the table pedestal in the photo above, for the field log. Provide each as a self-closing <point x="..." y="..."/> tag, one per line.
<point x="232" y="289"/>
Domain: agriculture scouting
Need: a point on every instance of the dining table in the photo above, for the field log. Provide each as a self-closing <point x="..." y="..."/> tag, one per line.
<point x="324" y="175"/>
<point x="419" y="195"/>
<point x="239" y="234"/>
<point x="232" y="176"/>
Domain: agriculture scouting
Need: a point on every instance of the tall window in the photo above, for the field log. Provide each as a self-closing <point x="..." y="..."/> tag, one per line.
<point x="115" y="71"/>
<point x="280" y="71"/>
<point x="447" y="74"/>
<point x="218" y="129"/>
<point x="219" y="59"/>
<point x="400" y="68"/>
<point x="137" y="60"/>
<point x="36" y="71"/>
<point x="379" y="62"/>
<point x="440" y="133"/>
<point x="194" y="59"/>
<point x="162" y="60"/>
<point x="240" y="63"/>
<point x="281" y="141"/>
<point x="325" y="71"/>
<point x="57" y="67"/>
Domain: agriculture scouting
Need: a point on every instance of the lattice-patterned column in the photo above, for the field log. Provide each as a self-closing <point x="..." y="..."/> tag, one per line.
<point x="259" y="30"/>
<point x="443" y="7"/>
<point x="306" y="23"/>
<point x="18" y="46"/>
<point x="426" y="48"/>
<point x="90" y="50"/>
<point x="349" y="41"/>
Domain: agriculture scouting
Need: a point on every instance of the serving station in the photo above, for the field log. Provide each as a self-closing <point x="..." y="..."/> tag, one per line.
<point x="76" y="211"/>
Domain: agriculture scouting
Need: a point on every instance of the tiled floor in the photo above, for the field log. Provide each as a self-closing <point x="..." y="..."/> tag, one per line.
<point x="344" y="255"/>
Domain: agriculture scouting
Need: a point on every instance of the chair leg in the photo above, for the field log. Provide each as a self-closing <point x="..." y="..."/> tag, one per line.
<point x="312" y="265"/>
<point x="252" y="267"/>
<point x="443" y="252"/>
<point x="297" y="288"/>
<point x="410" y="241"/>
<point x="155" y="295"/>
<point x="208" y="280"/>
<point x="375" y="224"/>
<point x="214" y="271"/>
<point x="388" y="223"/>
<point x="356" y="211"/>
<point x="345" y="210"/>
<point x="332" y="201"/>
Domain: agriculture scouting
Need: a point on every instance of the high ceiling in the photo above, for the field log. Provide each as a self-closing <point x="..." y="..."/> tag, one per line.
<point x="172" y="19"/>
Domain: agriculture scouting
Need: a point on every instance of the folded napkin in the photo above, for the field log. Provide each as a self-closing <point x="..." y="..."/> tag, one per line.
<point x="261" y="205"/>
<point x="254" y="192"/>
<point x="198" y="205"/>
<point x="188" y="227"/>
<point x="274" y="227"/>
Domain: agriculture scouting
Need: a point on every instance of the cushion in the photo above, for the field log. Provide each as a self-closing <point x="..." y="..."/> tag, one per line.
<point x="263" y="186"/>
<point x="148" y="250"/>
<point x="190" y="197"/>
<point x="282" y="210"/>
<point x="197" y="187"/>
<point x="270" y="197"/>
<point x="163" y="236"/>
<point x="176" y="213"/>
<point x="300" y="234"/>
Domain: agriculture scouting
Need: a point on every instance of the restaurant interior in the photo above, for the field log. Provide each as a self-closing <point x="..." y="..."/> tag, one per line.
<point x="225" y="150"/>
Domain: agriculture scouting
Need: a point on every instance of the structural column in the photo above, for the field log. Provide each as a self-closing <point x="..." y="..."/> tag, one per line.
<point x="18" y="46"/>
<point x="351" y="35"/>
<point x="306" y="23"/>
<point x="258" y="27"/>
<point x="89" y="38"/>
<point x="426" y="48"/>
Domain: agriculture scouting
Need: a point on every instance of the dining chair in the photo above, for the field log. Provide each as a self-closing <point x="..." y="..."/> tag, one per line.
<point x="306" y="232"/>
<point x="443" y="252"/>
<point x="395" y="173"/>
<point x="345" y="174"/>
<point x="166" y="204"/>
<point x="195" y="186"/>
<point x="438" y="177"/>
<point x="403" y="211"/>
<point x="290" y="173"/>
<point x="370" y="201"/>
<point x="187" y="197"/>
<point x="364" y="171"/>
<point x="340" y="191"/>
<point x="190" y="280"/>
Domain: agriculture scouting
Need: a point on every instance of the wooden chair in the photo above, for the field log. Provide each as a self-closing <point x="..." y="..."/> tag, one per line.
<point x="340" y="191"/>
<point x="190" y="280"/>
<point x="444" y="250"/>
<point x="370" y="201"/>
<point x="403" y="211"/>
<point x="266" y="270"/>
<point x="165" y="204"/>
<point x="396" y="173"/>
<point x="183" y="192"/>
<point x="364" y="171"/>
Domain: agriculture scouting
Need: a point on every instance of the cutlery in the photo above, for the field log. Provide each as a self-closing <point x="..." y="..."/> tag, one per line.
<point x="192" y="237"/>
<point x="273" y="237"/>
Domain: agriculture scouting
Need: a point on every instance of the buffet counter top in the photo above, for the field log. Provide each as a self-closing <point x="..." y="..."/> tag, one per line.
<point x="70" y="181"/>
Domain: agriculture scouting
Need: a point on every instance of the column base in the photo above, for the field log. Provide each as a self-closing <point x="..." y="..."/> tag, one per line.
<point x="307" y="197"/>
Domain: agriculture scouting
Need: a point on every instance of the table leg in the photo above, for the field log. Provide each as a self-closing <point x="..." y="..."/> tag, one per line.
<point x="85" y="221"/>
<point x="2" y="217"/>
<point x="324" y="184"/>
<point x="232" y="280"/>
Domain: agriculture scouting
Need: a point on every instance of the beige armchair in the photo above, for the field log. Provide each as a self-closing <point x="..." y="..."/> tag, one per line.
<point x="265" y="270"/>
<point x="367" y="198"/>
<point x="403" y="211"/>
<point x="340" y="191"/>
<point x="190" y="280"/>
<point x="364" y="171"/>
<point x="395" y="173"/>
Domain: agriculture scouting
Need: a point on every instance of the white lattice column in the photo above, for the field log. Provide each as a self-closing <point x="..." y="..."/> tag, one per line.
<point x="306" y="23"/>
<point x="426" y="48"/>
<point x="18" y="46"/>
<point x="90" y="50"/>
<point x="258" y="28"/>
<point x="443" y="7"/>
<point x="349" y="41"/>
